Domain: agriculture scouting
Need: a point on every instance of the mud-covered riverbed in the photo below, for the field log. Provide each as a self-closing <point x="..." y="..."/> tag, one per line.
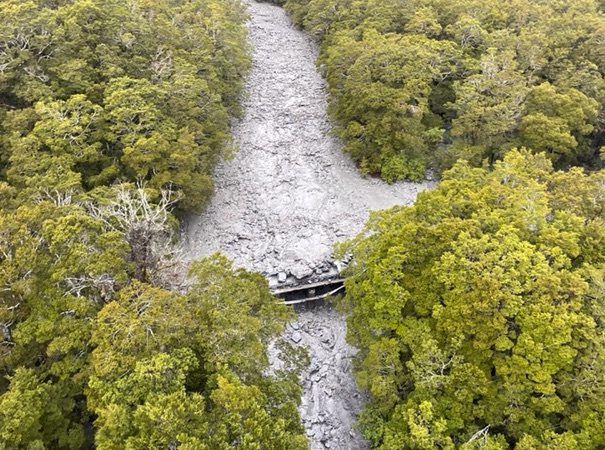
<point x="284" y="199"/>
<point x="289" y="193"/>
<point x="331" y="400"/>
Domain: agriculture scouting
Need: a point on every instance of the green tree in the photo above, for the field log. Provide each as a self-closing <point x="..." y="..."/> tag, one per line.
<point x="479" y="309"/>
<point x="500" y="51"/>
<point x="191" y="370"/>
<point x="22" y="408"/>
<point x="557" y="122"/>
<point x="382" y="100"/>
<point x="488" y="107"/>
<point x="56" y="270"/>
<point x="98" y="92"/>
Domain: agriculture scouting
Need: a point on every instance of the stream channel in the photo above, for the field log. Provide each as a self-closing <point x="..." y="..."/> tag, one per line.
<point x="284" y="199"/>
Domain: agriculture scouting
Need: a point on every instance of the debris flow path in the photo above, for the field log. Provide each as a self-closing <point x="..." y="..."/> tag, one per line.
<point x="285" y="198"/>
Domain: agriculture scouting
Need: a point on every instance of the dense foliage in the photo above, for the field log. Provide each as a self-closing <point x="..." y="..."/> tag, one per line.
<point x="91" y="357"/>
<point x="94" y="359"/>
<point x="94" y="92"/>
<point x="479" y="312"/>
<point x="112" y="113"/>
<point x="416" y="83"/>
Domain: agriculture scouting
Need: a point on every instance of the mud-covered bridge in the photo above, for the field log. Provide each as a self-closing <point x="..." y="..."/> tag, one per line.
<point x="322" y="283"/>
<point x="310" y="291"/>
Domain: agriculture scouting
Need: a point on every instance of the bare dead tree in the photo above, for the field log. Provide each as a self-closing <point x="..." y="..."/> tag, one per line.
<point x="148" y="228"/>
<point x="480" y="435"/>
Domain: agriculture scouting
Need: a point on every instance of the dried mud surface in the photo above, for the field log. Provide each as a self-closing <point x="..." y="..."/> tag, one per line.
<point x="282" y="202"/>
<point x="289" y="193"/>
<point x="331" y="400"/>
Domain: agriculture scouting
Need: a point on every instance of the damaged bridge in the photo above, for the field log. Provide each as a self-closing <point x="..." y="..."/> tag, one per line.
<point x="325" y="282"/>
<point x="304" y="293"/>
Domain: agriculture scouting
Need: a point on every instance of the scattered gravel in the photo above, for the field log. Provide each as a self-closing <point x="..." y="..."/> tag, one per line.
<point x="331" y="400"/>
<point x="289" y="193"/>
<point x="282" y="202"/>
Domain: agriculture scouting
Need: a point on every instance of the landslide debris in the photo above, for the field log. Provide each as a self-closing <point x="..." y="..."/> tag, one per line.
<point x="284" y="199"/>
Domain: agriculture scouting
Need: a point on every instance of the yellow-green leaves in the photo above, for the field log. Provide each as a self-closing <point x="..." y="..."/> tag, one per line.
<point x="190" y="370"/>
<point x="381" y="98"/>
<point x="243" y="417"/>
<point x="417" y="83"/>
<point x="237" y="313"/>
<point x="99" y="91"/>
<point x="556" y="122"/>
<point x="475" y="310"/>
<point x="21" y="409"/>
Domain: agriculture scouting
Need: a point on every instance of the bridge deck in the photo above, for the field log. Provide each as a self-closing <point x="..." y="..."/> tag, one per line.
<point x="307" y="286"/>
<point x="310" y="299"/>
<point x="308" y="292"/>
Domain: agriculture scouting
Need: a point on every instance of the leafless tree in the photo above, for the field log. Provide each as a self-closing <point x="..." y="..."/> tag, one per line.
<point x="148" y="228"/>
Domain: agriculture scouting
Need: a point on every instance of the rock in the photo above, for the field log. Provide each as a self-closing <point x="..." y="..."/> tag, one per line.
<point x="296" y="337"/>
<point x="339" y="265"/>
<point x="327" y="339"/>
<point x="282" y="277"/>
<point x="289" y="256"/>
<point x="295" y="325"/>
<point x="300" y="271"/>
<point x="318" y="376"/>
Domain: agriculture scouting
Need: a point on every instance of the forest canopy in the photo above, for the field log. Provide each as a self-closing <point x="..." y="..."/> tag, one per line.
<point x="417" y="84"/>
<point x="112" y="114"/>
<point x="478" y="312"/>
<point x="106" y="91"/>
